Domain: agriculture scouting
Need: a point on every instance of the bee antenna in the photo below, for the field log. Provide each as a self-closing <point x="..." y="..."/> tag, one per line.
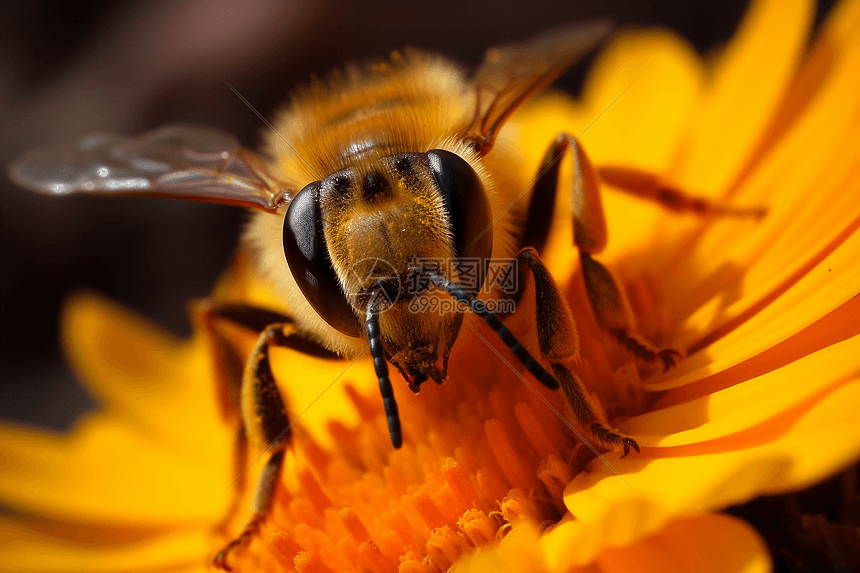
<point x="478" y="307"/>
<point x="381" y="367"/>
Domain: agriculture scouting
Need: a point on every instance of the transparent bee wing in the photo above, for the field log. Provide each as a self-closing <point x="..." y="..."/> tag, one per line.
<point x="179" y="161"/>
<point x="512" y="74"/>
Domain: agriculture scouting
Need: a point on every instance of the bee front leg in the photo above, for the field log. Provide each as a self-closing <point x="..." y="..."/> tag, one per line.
<point x="589" y="236"/>
<point x="267" y="427"/>
<point x="559" y="342"/>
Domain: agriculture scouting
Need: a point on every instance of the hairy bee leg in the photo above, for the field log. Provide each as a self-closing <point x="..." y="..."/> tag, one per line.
<point x="648" y="186"/>
<point x="589" y="236"/>
<point x="228" y="365"/>
<point x="258" y="319"/>
<point x="267" y="427"/>
<point x="610" y="309"/>
<point x="260" y="508"/>
<point x="577" y="397"/>
<point x="228" y="362"/>
<point x="558" y="342"/>
<point x="588" y="223"/>
<point x="243" y="380"/>
<point x="557" y="336"/>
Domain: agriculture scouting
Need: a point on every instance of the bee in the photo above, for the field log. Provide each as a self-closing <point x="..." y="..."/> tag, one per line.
<point x="378" y="189"/>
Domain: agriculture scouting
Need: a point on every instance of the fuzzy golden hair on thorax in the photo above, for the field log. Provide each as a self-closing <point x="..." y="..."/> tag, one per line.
<point x="368" y="111"/>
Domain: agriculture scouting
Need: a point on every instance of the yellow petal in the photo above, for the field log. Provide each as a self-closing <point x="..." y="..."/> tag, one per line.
<point x="706" y="544"/>
<point x="748" y="84"/>
<point x="158" y="453"/>
<point x="823" y="56"/>
<point x="29" y="549"/>
<point x="108" y="472"/>
<point x="628" y="116"/>
<point x="519" y="551"/>
<point x="837" y="326"/>
<point x="166" y="387"/>
<point x="796" y="265"/>
<point x="639" y="123"/>
<point x="745" y="406"/>
<point x="788" y="452"/>
<point x="825" y="280"/>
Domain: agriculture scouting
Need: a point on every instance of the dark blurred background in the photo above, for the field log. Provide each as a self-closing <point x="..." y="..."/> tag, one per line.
<point x="69" y="69"/>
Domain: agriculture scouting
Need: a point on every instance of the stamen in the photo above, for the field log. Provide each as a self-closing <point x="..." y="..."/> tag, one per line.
<point x="510" y="460"/>
<point x="478" y="527"/>
<point x="490" y="483"/>
<point x="412" y="563"/>
<point x="517" y="506"/>
<point x="370" y="553"/>
<point x="285" y="546"/>
<point x="428" y="511"/>
<point x="306" y="564"/>
<point x="458" y="480"/>
<point x="390" y="545"/>
<point x="353" y="525"/>
<point x="317" y="456"/>
<point x="534" y="431"/>
<point x="399" y="524"/>
<point x="445" y="546"/>
<point x="480" y="457"/>
<point x="347" y="439"/>
<point x="466" y="458"/>
<point x="349" y="547"/>
<point x="314" y="491"/>
<point x="396" y="483"/>
<point x="555" y="475"/>
<point x="303" y="510"/>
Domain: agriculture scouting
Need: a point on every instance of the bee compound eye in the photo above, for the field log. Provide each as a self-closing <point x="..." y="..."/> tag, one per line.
<point x="307" y="258"/>
<point x="467" y="206"/>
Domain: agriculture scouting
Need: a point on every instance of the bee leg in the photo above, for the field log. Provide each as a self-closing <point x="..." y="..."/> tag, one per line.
<point x="252" y="384"/>
<point x="228" y="366"/>
<point x="648" y="186"/>
<point x="610" y="308"/>
<point x="260" y="507"/>
<point x="559" y="342"/>
<point x="267" y="427"/>
<point x="588" y="223"/>
<point x="589" y="236"/>
<point x="228" y="362"/>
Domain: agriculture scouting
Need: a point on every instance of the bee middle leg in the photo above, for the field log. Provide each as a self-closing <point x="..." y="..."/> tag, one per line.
<point x="589" y="236"/>
<point x="558" y="342"/>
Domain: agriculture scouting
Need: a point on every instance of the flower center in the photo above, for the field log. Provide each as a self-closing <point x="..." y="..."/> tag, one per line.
<point x="481" y="452"/>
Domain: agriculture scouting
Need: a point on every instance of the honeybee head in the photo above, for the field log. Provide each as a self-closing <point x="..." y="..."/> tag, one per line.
<point x="375" y="228"/>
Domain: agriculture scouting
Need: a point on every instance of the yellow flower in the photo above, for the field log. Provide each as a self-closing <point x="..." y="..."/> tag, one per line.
<point x="489" y="478"/>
